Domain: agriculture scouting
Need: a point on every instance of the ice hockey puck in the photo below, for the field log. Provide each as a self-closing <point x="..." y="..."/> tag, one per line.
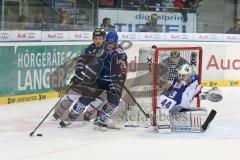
<point x="39" y="134"/>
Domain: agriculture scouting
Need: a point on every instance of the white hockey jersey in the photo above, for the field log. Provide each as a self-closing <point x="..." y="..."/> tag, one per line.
<point x="179" y="94"/>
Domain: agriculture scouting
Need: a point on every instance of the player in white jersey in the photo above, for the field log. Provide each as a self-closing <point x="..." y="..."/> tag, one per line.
<point x="182" y="91"/>
<point x="179" y="96"/>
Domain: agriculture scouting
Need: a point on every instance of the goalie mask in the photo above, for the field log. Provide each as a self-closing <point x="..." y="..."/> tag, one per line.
<point x="185" y="73"/>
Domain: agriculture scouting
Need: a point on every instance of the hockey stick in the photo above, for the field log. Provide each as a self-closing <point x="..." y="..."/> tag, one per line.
<point x="145" y="114"/>
<point x="48" y="114"/>
<point x="209" y="119"/>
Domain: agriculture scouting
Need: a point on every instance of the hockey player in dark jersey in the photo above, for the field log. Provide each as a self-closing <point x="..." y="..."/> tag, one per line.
<point x="110" y="80"/>
<point x="93" y="52"/>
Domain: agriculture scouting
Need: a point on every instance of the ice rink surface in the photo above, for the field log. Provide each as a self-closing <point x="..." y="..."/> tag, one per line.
<point x="82" y="142"/>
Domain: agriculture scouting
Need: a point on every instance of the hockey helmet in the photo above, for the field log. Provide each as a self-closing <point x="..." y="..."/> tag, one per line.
<point x="99" y="32"/>
<point x="112" y="37"/>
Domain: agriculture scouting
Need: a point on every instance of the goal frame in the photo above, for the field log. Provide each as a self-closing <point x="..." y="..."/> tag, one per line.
<point x="155" y="71"/>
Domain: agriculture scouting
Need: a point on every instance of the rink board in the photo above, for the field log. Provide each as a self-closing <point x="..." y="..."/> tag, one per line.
<point x="221" y="65"/>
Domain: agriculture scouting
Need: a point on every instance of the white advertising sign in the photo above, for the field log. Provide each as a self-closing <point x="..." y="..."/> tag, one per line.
<point x="208" y="37"/>
<point x="151" y="36"/>
<point x="232" y="37"/>
<point x="55" y="35"/>
<point x="25" y="36"/>
<point x="221" y="60"/>
<point x="133" y="21"/>
<point x="80" y="36"/>
<point x="133" y="36"/>
<point x="4" y="36"/>
<point x="179" y="36"/>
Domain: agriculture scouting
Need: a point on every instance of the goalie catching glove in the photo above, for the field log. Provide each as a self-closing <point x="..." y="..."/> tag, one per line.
<point x="213" y="95"/>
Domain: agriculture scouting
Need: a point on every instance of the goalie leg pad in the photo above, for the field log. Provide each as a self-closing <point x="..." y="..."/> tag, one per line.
<point x="163" y="121"/>
<point x="190" y="121"/>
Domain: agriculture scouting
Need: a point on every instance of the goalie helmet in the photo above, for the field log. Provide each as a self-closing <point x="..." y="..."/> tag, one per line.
<point x="185" y="73"/>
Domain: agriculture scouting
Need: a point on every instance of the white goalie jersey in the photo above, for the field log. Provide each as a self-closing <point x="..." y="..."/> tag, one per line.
<point x="179" y="94"/>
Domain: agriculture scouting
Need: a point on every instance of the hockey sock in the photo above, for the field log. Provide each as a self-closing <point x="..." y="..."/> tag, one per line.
<point x="77" y="109"/>
<point x="106" y="112"/>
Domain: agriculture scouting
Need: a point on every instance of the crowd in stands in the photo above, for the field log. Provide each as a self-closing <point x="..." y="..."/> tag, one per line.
<point x="152" y="5"/>
<point x="182" y="6"/>
<point x="63" y="22"/>
<point x="38" y="23"/>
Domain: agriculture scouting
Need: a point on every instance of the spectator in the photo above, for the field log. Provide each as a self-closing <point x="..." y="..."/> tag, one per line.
<point x="64" y="21"/>
<point x="152" y="26"/>
<point x="168" y="3"/>
<point x="180" y="4"/>
<point x="22" y="23"/>
<point x="158" y="4"/>
<point x="138" y="4"/>
<point x="64" y="18"/>
<point x="39" y="22"/>
<point x="38" y="18"/>
<point x="107" y="24"/>
<point x="82" y="21"/>
<point x="143" y="4"/>
<point x="192" y="3"/>
<point x="131" y="4"/>
<point x="235" y="29"/>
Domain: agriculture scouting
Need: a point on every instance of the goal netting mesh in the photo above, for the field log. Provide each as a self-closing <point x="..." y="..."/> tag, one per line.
<point x="156" y="70"/>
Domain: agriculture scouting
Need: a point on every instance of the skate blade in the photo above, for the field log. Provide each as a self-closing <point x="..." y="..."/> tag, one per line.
<point x="64" y="124"/>
<point x="98" y="128"/>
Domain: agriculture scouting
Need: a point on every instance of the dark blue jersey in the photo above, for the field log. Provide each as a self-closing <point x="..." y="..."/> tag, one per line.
<point x="92" y="49"/>
<point x="111" y="70"/>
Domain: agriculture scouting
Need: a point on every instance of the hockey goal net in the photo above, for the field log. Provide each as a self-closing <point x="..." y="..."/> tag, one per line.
<point x="156" y="70"/>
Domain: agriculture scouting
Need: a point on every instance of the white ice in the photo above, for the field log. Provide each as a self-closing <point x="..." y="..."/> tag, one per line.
<point x="81" y="141"/>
